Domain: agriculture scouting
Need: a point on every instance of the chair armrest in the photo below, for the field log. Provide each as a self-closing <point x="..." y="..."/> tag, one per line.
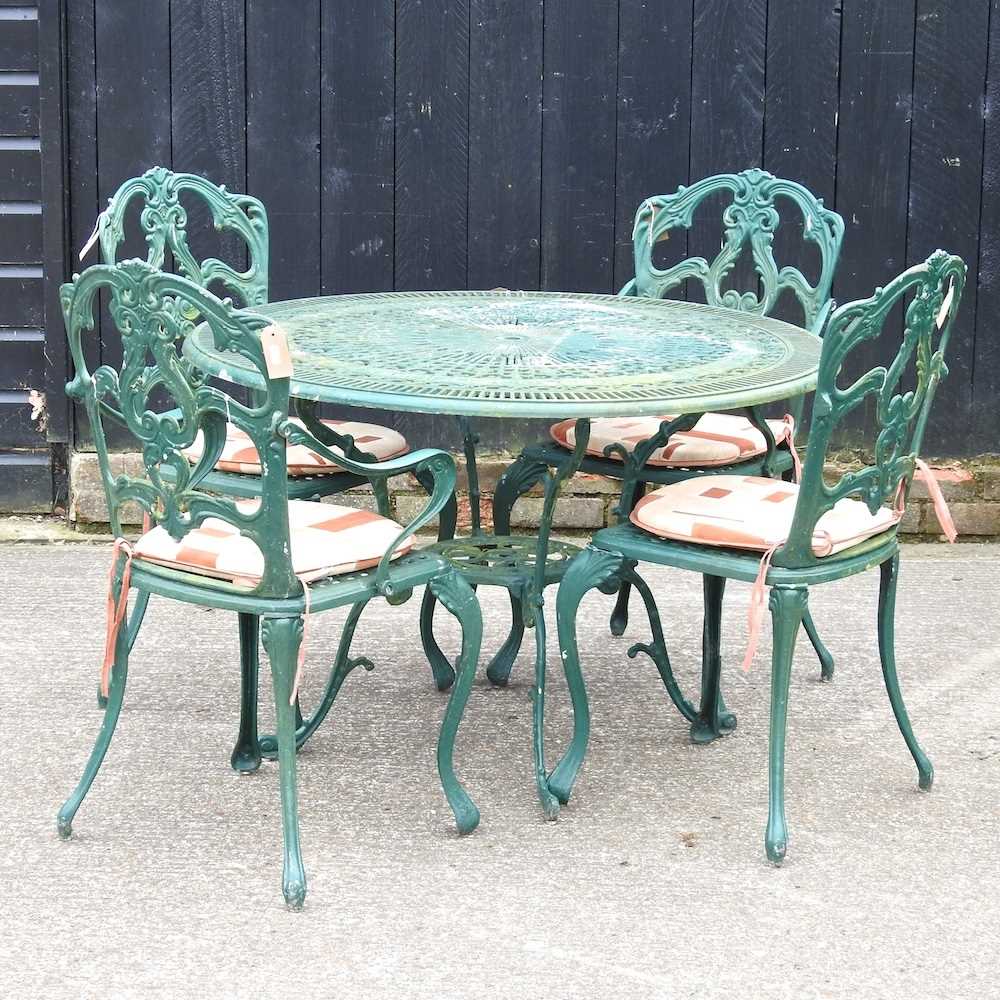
<point x="438" y="464"/>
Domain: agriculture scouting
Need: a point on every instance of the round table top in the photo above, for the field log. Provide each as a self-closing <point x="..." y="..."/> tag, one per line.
<point x="528" y="354"/>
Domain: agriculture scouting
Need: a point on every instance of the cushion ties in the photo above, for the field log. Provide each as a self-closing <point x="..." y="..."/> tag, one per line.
<point x="755" y="615"/>
<point x="941" y="511"/>
<point x="789" y="421"/>
<point x="115" y="611"/>
<point x="302" y="645"/>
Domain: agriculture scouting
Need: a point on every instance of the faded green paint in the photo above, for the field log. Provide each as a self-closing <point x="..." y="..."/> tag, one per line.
<point x="902" y="392"/>
<point x="154" y="313"/>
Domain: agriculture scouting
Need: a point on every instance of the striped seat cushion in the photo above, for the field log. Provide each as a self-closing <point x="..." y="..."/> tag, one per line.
<point x="240" y="455"/>
<point x="717" y="438"/>
<point x="750" y="512"/>
<point x="327" y="540"/>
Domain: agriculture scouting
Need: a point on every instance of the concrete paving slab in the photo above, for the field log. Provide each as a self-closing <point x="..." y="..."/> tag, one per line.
<point x="653" y="883"/>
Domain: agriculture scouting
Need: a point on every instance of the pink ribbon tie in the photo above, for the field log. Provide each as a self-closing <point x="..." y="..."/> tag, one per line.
<point x="755" y="615"/>
<point x="302" y="645"/>
<point x="789" y="421"/>
<point x="941" y="511"/>
<point x="115" y="611"/>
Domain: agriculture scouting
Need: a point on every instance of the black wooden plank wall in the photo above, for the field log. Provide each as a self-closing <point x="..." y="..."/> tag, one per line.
<point x="25" y="468"/>
<point x="418" y="144"/>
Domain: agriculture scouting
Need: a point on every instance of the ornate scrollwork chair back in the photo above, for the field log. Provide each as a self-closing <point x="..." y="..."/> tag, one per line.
<point x="152" y="310"/>
<point x="164" y="221"/>
<point x="750" y="222"/>
<point x="931" y="293"/>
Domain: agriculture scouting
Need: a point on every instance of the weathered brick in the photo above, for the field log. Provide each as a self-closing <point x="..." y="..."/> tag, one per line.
<point x="913" y="519"/>
<point x="571" y="512"/>
<point x="990" y="478"/>
<point x="955" y="484"/>
<point x="87" y="502"/>
<point x="980" y="518"/>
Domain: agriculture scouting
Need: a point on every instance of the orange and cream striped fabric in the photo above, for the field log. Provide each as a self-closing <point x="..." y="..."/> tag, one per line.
<point x="240" y="455"/>
<point x="327" y="540"/>
<point x="717" y="438"/>
<point x="750" y="512"/>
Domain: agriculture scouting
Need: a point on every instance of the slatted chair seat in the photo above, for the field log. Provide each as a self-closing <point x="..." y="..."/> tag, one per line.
<point x="326" y="540"/>
<point x="239" y="454"/>
<point x="716" y="439"/>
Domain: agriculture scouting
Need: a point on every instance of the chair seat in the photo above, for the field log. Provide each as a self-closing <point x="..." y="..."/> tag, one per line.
<point x="327" y="540"/>
<point x="717" y="438"/>
<point x="751" y="512"/>
<point x="240" y="455"/>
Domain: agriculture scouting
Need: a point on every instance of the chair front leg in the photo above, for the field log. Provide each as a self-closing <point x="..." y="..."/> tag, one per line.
<point x="282" y="638"/>
<point x="788" y="605"/>
<point x="498" y="672"/>
<point x="441" y="669"/>
<point x="825" y="656"/>
<point x="460" y="599"/>
<point x="887" y="653"/>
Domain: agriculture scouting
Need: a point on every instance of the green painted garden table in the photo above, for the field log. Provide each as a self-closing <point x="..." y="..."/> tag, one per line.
<point x="525" y="355"/>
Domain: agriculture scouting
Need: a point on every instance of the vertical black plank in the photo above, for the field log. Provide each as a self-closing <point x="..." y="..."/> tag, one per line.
<point x="654" y="115"/>
<point x="727" y="108"/>
<point x="208" y="109"/>
<point x="578" y="145"/>
<point x="432" y="164"/>
<point x="81" y="149"/>
<point x="946" y="163"/>
<point x="133" y="115"/>
<point x="52" y="78"/>
<point x="986" y="356"/>
<point x="800" y="110"/>
<point x="876" y="78"/>
<point x="505" y="143"/>
<point x="358" y="145"/>
<point x="283" y="138"/>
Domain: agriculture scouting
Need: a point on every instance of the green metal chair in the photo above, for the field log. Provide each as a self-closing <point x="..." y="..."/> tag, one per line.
<point x="163" y="218"/>
<point x="750" y="222"/>
<point x="797" y="558"/>
<point x="273" y="558"/>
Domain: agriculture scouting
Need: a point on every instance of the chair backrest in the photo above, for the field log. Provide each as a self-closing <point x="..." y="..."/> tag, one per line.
<point x="153" y="312"/>
<point x="164" y="220"/>
<point x="749" y="222"/>
<point x="903" y="391"/>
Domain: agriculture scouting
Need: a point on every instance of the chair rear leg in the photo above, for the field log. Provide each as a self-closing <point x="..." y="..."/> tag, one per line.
<point x="246" y="754"/>
<point x="887" y="653"/>
<point x="282" y="638"/>
<point x="825" y="656"/>
<point x="788" y="605"/>
<point x="713" y="719"/>
<point x="460" y="599"/>
<point x="112" y="709"/>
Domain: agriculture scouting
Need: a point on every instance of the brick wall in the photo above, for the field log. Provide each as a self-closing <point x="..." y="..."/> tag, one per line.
<point x="971" y="488"/>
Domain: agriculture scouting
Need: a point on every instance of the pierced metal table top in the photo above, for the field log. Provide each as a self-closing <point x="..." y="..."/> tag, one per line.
<point x="529" y="354"/>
